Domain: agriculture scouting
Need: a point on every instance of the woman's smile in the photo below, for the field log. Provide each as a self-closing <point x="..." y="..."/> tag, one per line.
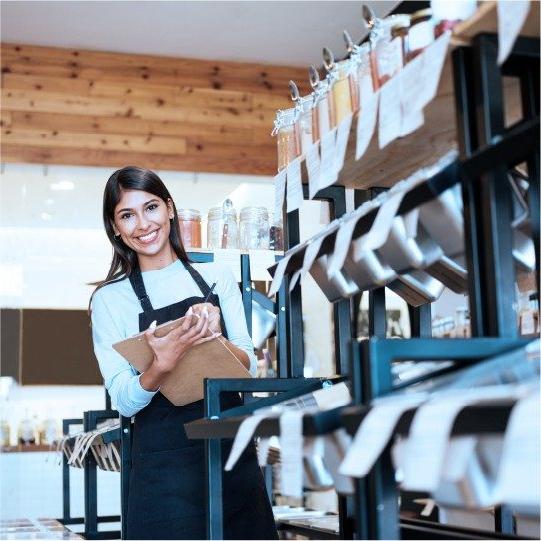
<point x="149" y="238"/>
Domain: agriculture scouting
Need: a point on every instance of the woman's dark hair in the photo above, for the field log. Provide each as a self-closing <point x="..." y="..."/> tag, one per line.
<point x="124" y="258"/>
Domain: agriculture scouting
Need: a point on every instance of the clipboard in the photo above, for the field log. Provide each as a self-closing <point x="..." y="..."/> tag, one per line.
<point x="184" y="385"/>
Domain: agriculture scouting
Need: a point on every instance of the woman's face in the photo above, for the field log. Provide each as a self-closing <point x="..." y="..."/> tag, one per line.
<point x="143" y="222"/>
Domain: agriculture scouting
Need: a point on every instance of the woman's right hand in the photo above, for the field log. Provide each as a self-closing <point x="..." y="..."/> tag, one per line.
<point x="169" y="349"/>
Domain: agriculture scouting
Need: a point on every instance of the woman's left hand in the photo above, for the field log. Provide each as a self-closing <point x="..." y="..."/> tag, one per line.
<point x="213" y="315"/>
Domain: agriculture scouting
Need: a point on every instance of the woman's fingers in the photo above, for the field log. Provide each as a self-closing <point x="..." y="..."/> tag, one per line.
<point x="206" y="339"/>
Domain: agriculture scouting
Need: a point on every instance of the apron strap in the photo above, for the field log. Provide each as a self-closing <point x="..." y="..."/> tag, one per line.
<point x="136" y="281"/>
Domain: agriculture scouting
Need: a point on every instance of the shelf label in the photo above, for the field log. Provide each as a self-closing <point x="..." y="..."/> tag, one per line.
<point x="279" y="275"/>
<point x="374" y="433"/>
<point x="518" y="479"/>
<point x="411" y="122"/>
<point x="260" y="261"/>
<point x="328" y="154"/>
<point x="366" y="122"/>
<point x="512" y="15"/>
<point x="390" y="111"/>
<point x="279" y="194"/>
<point x="294" y="185"/>
<point x="291" y="445"/>
<point x="313" y="166"/>
<point x="433" y="62"/>
<point x="342" y="138"/>
<point x="310" y="255"/>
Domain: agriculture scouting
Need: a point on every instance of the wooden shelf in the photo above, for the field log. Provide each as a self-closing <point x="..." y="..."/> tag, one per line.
<point x="485" y="21"/>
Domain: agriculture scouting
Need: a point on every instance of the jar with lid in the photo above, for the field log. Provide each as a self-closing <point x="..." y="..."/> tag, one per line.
<point x="305" y="122"/>
<point x="27" y="431"/>
<point x="287" y="137"/>
<point x="48" y="432"/>
<point x="254" y="228"/>
<point x="339" y="77"/>
<point x="421" y="33"/>
<point x="387" y="51"/>
<point x="5" y="433"/>
<point x="189" y="221"/>
<point x="321" y="118"/>
<point x="448" y="14"/>
<point x="222" y="228"/>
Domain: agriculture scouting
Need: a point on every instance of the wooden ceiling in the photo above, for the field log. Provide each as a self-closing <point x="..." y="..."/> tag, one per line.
<point x="78" y="107"/>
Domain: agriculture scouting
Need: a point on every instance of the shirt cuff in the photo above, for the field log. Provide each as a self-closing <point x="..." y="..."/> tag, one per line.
<point x="142" y="394"/>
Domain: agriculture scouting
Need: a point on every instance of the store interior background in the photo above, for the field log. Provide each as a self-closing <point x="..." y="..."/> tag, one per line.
<point x="52" y="242"/>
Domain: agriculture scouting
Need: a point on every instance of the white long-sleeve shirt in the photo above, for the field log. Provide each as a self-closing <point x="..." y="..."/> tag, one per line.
<point x="115" y="317"/>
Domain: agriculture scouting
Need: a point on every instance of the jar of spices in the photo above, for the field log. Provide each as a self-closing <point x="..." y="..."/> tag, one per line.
<point x="287" y="137"/>
<point x="222" y="228"/>
<point x="276" y="237"/>
<point x="189" y="221"/>
<point x="340" y="85"/>
<point x="321" y="120"/>
<point x="421" y="33"/>
<point x="387" y="51"/>
<point x="254" y="228"/>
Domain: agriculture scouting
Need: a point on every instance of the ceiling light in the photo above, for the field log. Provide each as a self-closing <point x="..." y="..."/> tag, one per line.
<point x="62" y="185"/>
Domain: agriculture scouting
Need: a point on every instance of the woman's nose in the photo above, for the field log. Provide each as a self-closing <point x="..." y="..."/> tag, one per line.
<point x="142" y="222"/>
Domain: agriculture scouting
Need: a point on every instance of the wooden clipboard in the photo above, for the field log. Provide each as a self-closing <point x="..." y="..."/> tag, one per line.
<point x="184" y="385"/>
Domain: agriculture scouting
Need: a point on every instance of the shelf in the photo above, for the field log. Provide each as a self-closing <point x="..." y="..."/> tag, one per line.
<point x="28" y="449"/>
<point x="485" y="21"/>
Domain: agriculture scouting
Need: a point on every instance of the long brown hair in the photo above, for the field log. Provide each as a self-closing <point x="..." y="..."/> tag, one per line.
<point x="124" y="258"/>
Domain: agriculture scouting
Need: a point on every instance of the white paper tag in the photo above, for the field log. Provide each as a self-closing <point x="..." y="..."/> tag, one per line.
<point x="433" y="62"/>
<point x="430" y="431"/>
<point x="244" y="436"/>
<point x="279" y="194"/>
<point x="413" y="85"/>
<point x="260" y="261"/>
<point x="231" y="258"/>
<point x="291" y="440"/>
<point x="328" y="154"/>
<point x="375" y="432"/>
<point x="313" y="166"/>
<point x="518" y="477"/>
<point x="263" y="451"/>
<point x="279" y="275"/>
<point x="366" y="123"/>
<point x="294" y="185"/>
<point x="342" y="138"/>
<point x="411" y="122"/>
<point x="512" y="15"/>
<point x="390" y="111"/>
<point x="336" y="445"/>
<point x="310" y="254"/>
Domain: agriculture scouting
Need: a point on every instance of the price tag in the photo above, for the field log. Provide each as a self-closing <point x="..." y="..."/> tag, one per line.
<point x="328" y="154"/>
<point x="366" y="123"/>
<point x="390" y="111"/>
<point x="511" y="18"/>
<point x="313" y="165"/>
<point x="294" y="185"/>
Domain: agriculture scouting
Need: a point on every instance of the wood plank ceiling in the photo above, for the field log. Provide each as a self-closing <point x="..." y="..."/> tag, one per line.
<point x="77" y="107"/>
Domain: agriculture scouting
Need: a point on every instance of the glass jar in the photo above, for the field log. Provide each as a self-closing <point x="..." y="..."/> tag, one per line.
<point x="448" y="14"/>
<point x="189" y="221"/>
<point x="254" y="228"/>
<point x="276" y="236"/>
<point x="421" y="33"/>
<point x="341" y="105"/>
<point x="5" y="433"/>
<point x="287" y="137"/>
<point x="48" y="432"/>
<point x="222" y="228"/>
<point x="387" y="52"/>
<point x="27" y="432"/>
<point x="321" y="111"/>
<point x="305" y="125"/>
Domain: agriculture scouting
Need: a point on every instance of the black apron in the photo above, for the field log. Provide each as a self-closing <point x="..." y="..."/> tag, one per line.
<point x="167" y="477"/>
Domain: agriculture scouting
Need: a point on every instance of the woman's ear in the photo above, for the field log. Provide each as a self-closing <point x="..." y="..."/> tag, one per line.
<point x="170" y="209"/>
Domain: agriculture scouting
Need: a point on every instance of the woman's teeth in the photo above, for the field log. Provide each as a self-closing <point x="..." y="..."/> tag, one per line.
<point x="150" y="237"/>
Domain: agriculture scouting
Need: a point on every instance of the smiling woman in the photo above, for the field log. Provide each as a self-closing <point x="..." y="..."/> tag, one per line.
<point x="150" y="270"/>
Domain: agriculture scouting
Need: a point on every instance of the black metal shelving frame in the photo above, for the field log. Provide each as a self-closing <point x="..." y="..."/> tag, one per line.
<point x="487" y="150"/>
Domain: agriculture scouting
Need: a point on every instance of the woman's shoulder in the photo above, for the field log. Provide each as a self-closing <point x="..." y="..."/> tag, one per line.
<point x="112" y="291"/>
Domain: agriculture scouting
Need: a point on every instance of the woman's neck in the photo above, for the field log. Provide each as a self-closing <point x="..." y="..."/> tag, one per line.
<point x="157" y="261"/>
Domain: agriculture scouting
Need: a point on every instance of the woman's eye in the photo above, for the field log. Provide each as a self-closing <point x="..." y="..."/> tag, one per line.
<point x="125" y="216"/>
<point x="152" y="206"/>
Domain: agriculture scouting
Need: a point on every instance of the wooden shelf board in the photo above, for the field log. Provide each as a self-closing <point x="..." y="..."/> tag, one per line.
<point x="27" y="449"/>
<point x="485" y="21"/>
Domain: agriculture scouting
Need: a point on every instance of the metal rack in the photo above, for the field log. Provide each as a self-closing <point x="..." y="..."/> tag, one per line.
<point x="487" y="150"/>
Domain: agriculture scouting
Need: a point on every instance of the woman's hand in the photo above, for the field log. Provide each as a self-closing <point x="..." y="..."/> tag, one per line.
<point x="168" y="350"/>
<point x="213" y="315"/>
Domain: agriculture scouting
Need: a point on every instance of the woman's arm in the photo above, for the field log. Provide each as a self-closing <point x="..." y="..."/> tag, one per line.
<point x="127" y="393"/>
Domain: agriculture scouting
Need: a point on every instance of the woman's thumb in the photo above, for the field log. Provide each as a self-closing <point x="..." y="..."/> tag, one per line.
<point x="151" y="328"/>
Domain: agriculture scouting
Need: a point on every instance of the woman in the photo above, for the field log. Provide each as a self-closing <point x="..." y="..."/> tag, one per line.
<point x="150" y="282"/>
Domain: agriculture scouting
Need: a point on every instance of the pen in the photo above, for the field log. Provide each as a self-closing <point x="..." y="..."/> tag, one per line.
<point x="210" y="292"/>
